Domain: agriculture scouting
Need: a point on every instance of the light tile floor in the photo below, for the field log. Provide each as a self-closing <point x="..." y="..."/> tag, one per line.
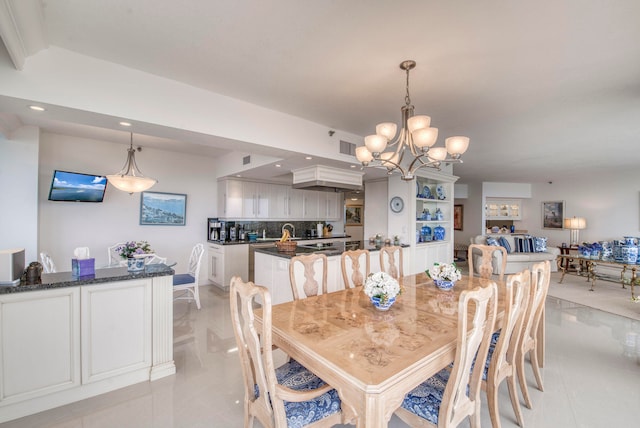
<point x="592" y="377"/>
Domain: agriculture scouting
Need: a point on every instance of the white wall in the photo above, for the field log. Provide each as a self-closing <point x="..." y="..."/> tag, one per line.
<point x="18" y="187"/>
<point x="375" y="208"/>
<point x="609" y="202"/>
<point x="67" y="225"/>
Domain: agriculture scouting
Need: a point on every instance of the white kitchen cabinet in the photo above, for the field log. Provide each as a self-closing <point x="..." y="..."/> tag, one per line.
<point x="310" y="204"/>
<point x="230" y="198"/>
<point x="39" y="343"/>
<point x="256" y="199"/>
<point x="287" y="203"/>
<point x="330" y="206"/>
<point x="227" y="261"/>
<point x="116" y="329"/>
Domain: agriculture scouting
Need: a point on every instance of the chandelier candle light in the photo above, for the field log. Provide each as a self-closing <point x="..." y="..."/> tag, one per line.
<point x="416" y="136"/>
<point x="130" y="179"/>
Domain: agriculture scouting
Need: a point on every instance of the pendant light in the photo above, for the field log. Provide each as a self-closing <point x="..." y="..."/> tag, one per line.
<point x="130" y="179"/>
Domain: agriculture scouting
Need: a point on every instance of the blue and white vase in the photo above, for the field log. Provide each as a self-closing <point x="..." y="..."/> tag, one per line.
<point x="438" y="233"/>
<point x="629" y="250"/>
<point x="443" y="284"/>
<point x="135" y="264"/>
<point x="380" y="305"/>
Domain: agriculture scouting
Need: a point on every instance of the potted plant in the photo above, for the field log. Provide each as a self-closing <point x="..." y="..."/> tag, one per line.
<point x="444" y="275"/>
<point x="134" y="252"/>
<point x="382" y="289"/>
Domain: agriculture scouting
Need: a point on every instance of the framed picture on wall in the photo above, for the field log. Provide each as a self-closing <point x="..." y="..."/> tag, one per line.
<point x="353" y="215"/>
<point x="163" y="209"/>
<point x="457" y="217"/>
<point x="553" y="214"/>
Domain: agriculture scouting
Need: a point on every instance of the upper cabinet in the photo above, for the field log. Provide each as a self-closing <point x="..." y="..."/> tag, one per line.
<point x="239" y="200"/>
<point x="503" y="209"/>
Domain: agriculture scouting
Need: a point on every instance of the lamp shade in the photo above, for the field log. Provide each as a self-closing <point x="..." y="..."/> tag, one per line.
<point x="387" y="129"/>
<point x="131" y="184"/>
<point x="363" y="154"/>
<point x="425" y="137"/>
<point x="438" y="153"/>
<point x="375" y="143"/>
<point x="457" y="145"/>
<point x="575" y="223"/>
<point x="418" y="122"/>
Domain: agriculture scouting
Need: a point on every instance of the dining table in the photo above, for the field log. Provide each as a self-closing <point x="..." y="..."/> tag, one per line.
<point x="372" y="357"/>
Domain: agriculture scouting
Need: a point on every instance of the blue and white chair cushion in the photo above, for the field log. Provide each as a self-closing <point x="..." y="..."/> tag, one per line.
<point x="299" y="414"/>
<point x="425" y="399"/>
<point x="183" y="278"/>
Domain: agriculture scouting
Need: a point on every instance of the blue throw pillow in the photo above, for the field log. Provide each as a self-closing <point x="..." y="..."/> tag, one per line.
<point x="505" y="244"/>
<point x="492" y="241"/>
<point x="540" y="244"/>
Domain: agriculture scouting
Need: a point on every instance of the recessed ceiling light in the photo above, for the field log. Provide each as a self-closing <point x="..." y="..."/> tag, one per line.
<point x="308" y="157"/>
<point x="354" y="199"/>
<point x="353" y="166"/>
<point x="125" y="124"/>
<point x="278" y="165"/>
<point x="37" y="108"/>
<point x="238" y="175"/>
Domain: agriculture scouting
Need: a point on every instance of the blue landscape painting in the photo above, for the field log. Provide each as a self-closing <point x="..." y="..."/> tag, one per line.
<point x="163" y="208"/>
<point x="70" y="186"/>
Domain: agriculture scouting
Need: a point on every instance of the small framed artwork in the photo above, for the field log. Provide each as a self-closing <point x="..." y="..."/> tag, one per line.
<point x="163" y="209"/>
<point x="458" y="216"/>
<point x="353" y="215"/>
<point x="553" y="214"/>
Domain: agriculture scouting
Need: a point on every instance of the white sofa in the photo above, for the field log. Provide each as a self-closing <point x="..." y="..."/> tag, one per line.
<point x="516" y="262"/>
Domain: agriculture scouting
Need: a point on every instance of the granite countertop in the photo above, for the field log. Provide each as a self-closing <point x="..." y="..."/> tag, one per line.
<point x="336" y="250"/>
<point x="267" y="240"/>
<point x="66" y="279"/>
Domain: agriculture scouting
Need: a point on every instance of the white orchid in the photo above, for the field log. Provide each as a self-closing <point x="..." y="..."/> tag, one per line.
<point x="382" y="285"/>
<point x="444" y="272"/>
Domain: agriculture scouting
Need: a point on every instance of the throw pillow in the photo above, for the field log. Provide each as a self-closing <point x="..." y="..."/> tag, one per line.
<point x="540" y="244"/>
<point x="523" y="245"/>
<point x="503" y="242"/>
<point x="492" y="241"/>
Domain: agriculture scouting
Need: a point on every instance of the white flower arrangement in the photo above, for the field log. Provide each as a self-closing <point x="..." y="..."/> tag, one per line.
<point x="444" y="272"/>
<point x="382" y="285"/>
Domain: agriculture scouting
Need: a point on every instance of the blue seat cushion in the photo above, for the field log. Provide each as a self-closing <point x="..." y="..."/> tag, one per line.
<point x="299" y="414"/>
<point x="183" y="278"/>
<point x="425" y="399"/>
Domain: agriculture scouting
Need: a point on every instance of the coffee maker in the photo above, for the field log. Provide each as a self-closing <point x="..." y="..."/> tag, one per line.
<point x="216" y="230"/>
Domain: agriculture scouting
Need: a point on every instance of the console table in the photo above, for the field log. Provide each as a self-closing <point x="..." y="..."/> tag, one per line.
<point x="590" y="269"/>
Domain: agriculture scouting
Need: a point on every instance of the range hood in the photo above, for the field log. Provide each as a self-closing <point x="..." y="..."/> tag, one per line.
<point x="327" y="179"/>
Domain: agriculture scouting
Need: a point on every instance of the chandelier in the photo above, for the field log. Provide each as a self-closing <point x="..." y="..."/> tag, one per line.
<point x="416" y="136"/>
<point x="130" y="179"/>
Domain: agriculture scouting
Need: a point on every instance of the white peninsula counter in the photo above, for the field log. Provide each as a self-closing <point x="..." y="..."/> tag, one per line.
<point x="66" y="339"/>
<point x="272" y="269"/>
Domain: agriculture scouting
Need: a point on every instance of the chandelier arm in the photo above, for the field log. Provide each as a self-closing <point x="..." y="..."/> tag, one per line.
<point x="395" y="166"/>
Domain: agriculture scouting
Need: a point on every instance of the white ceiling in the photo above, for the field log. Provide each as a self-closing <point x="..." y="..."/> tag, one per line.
<point x="546" y="90"/>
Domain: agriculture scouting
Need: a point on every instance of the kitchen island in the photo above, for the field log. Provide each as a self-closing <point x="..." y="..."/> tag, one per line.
<point x="66" y="338"/>
<point x="272" y="267"/>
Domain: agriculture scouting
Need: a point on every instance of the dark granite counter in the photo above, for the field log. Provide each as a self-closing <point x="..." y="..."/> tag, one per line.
<point x="66" y="279"/>
<point x="335" y="250"/>
<point x="267" y="240"/>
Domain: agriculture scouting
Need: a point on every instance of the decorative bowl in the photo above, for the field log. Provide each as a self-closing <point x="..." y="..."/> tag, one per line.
<point x="379" y="305"/>
<point x="444" y="284"/>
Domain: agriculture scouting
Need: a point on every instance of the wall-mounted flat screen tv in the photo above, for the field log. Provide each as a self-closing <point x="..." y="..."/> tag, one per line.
<point x="77" y="187"/>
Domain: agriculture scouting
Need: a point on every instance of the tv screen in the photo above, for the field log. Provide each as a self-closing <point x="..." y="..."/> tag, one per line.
<point x="77" y="187"/>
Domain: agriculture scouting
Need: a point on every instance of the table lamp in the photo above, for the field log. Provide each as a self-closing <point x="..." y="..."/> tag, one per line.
<point x="575" y="224"/>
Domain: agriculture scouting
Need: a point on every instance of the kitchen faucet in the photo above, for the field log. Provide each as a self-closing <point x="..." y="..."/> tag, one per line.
<point x="293" y="229"/>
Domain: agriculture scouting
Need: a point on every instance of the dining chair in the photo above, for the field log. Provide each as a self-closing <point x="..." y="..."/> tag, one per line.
<point x="154" y="259"/>
<point x="391" y="261"/>
<point x="188" y="282"/>
<point x="353" y="260"/>
<point x="47" y="263"/>
<point x="289" y="395"/>
<point x="484" y="259"/>
<point x="309" y="284"/>
<point x="529" y="340"/>
<point x="501" y="361"/>
<point x="114" y="257"/>
<point x="449" y="397"/>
